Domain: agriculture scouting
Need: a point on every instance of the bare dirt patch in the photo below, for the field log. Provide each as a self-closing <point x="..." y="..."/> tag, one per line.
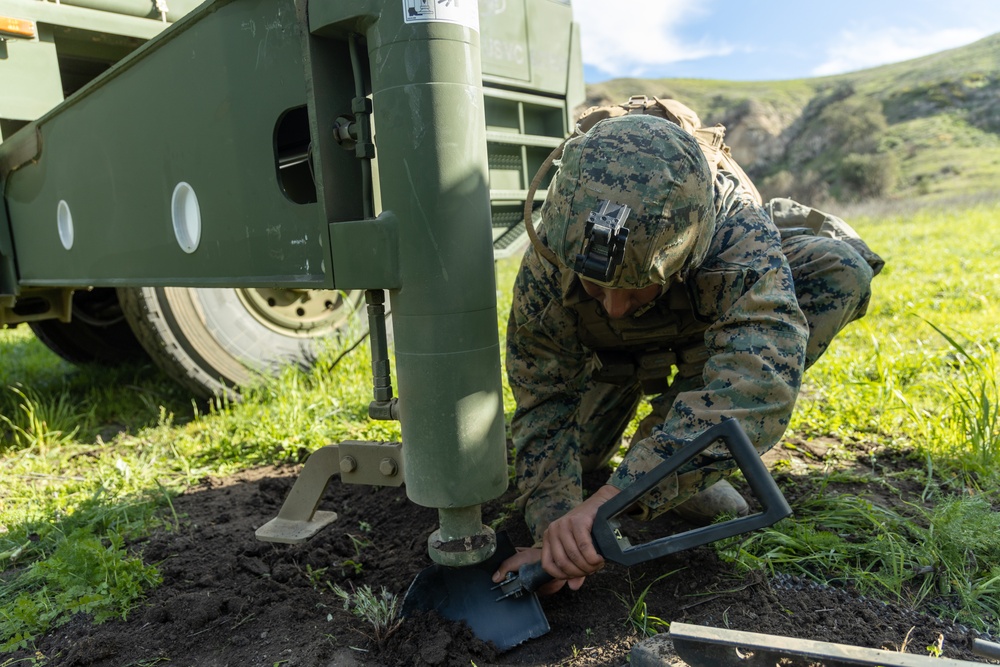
<point x="227" y="599"/>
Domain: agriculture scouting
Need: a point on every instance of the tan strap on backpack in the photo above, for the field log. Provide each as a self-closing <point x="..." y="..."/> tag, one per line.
<point x="529" y="205"/>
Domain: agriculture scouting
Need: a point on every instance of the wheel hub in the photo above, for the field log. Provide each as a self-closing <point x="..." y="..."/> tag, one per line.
<point x="300" y="312"/>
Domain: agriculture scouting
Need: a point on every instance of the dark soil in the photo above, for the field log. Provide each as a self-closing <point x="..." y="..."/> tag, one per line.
<point x="227" y="599"/>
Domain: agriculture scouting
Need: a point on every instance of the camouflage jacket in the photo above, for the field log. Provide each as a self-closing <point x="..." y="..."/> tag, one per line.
<point x="735" y="320"/>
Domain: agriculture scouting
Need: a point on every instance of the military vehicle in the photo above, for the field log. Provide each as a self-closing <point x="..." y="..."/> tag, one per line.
<point x="99" y="285"/>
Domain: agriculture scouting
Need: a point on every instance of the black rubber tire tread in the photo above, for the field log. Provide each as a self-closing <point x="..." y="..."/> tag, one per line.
<point x="206" y="340"/>
<point x="109" y="342"/>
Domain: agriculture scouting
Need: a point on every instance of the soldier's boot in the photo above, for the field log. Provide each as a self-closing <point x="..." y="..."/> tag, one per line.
<point x="703" y="507"/>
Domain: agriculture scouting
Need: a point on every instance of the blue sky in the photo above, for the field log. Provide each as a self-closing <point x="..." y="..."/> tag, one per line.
<point x="754" y="40"/>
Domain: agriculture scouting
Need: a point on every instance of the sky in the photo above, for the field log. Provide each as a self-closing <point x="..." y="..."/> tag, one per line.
<point x="757" y="40"/>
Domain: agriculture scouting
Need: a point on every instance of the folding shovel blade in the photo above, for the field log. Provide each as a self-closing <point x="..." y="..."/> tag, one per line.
<point x="466" y="594"/>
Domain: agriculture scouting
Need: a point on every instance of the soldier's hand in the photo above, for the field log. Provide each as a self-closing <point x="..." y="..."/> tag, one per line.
<point x="523" y="557"/>
<point x="568" y="552"/>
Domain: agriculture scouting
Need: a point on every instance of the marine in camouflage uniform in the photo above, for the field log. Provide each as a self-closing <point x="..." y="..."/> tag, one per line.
<point x="741" y="313"/>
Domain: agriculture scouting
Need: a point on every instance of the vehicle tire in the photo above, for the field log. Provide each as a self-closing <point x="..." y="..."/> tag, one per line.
<point x="213" y="340"/>
<point x="97" y="333"/>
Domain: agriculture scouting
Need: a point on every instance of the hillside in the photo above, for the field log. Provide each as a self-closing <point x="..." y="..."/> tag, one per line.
<point x="927" y="129"/>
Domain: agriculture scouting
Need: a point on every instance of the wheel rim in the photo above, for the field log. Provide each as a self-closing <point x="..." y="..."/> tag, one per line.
<point x="300" y="312"/>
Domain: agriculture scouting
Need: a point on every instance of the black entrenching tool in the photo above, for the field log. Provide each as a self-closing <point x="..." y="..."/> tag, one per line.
<point x="509" y="613"/>
<point x="465" y="594"/>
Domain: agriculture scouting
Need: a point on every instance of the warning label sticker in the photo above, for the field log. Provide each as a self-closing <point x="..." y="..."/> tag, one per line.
<point x="462" y="12"/>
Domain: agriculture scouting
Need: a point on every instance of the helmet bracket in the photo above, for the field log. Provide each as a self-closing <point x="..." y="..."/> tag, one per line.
<point x="604" y="242"/>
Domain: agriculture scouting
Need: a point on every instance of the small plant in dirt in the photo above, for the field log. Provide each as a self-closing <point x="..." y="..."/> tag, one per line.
<point x="644" y="623"/>
<point x="354" y="565"/>
<point x="358" y="543"/>
<point x="381" y="611"/>
<point x="314" y="575"/>
<point x="937" y="648"/>
<point x="349" y="566"/>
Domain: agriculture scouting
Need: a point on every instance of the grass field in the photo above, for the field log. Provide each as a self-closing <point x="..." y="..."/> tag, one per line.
<point x="91" y="458"/>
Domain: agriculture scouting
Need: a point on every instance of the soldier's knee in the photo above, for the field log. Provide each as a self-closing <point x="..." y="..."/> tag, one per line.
<point x="854" y="277"/>
<point x="831" y="264"/>
<point x="855" y="270"/>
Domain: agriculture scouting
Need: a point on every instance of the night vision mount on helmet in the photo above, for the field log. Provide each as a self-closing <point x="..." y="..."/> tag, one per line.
<point x="605" y="235"/>
<point x="639" y="166"/>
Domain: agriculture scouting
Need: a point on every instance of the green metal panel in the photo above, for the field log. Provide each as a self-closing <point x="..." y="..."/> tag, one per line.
<point x="29" y="75"/>
<point x="576" y="90"/>
<point x="198" y="105"/>
<point x="522" y="129"/>
<point x="366" y="253"/>
<point x="504" y="39"/>
<point x="549" y="34"/>
<point x="531" y="56"/>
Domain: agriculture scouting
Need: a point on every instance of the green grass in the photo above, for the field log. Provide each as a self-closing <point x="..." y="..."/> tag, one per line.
<point x="638" y="615"/>
<point x="946" y="557"/>
<point x="919" y="375"/>
<point x="72" y="498"/>
<point x="90" y="458"/>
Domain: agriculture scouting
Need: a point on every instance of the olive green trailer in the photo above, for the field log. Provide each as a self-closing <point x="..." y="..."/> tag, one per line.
<point x="209" y="164"/>
<point x="260" y="148"/>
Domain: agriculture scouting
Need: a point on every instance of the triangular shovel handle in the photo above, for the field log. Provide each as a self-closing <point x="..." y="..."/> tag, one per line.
<point x="609" y="541"/>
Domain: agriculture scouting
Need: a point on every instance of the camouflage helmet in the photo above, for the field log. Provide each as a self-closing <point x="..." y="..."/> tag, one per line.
<point x="632" y="204"/>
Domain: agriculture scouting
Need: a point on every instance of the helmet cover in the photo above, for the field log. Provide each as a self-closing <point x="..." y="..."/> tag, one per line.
<point x="633" y="196"/>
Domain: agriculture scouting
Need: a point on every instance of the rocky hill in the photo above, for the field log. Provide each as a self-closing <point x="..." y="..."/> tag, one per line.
<point x="923" y="130"/>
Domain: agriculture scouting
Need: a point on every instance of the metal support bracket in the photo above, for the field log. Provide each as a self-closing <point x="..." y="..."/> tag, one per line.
<point x="701" y="646"/>
<point x="35" y="303"/>
<point x="298" y="519"/>
<point x="371" y="463"/>
<point x="22" y="148"/>
<point x="366" y="253"/>
<point x="358" y="462"/>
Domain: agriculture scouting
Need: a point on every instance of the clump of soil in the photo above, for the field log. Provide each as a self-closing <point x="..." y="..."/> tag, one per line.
<point x="227" y="599"/>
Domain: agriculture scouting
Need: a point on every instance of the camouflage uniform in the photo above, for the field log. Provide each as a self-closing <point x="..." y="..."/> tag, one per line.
<point x="742" y="313"/>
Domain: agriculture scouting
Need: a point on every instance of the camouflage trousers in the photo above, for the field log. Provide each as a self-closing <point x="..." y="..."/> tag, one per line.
<point x="832" y="286"/>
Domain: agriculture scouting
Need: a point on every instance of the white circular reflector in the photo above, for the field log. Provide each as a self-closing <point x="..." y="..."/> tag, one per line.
<point x="64" y="222"/>
<point x="186" y="217"/>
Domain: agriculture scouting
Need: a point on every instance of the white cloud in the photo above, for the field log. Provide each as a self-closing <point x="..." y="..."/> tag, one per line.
<point x="853" y="50"/>
<point x="629" y="37"/>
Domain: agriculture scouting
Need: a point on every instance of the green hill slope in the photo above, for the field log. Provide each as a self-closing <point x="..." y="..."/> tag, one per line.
<point x="921" y="130"/>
